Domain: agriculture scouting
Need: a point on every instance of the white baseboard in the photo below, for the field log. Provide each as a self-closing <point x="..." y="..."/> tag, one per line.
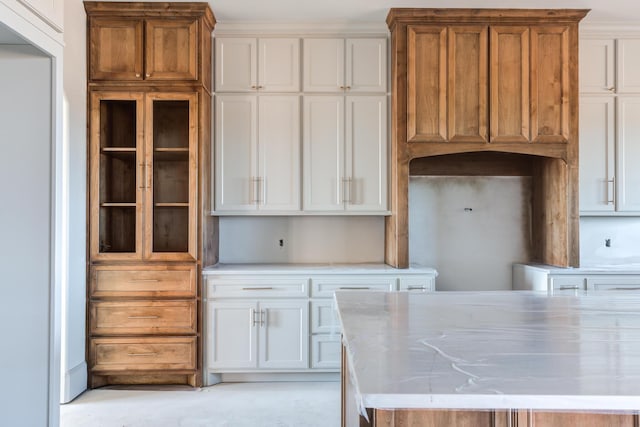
<point x="215" y="378"/>
<point x="75" y="382"/>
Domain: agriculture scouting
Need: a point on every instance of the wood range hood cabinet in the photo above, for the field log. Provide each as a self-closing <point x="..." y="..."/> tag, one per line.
<point x="488" y="92"/>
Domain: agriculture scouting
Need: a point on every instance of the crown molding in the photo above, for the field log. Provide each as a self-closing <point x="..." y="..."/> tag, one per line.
<point x="301" y="28"/>
<point x="609" y="29"/>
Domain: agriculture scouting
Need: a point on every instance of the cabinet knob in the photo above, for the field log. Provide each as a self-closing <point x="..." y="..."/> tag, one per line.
<point x="611" y="89"/>
<point x="348" y="87"/>
<point x="138" y="75"/>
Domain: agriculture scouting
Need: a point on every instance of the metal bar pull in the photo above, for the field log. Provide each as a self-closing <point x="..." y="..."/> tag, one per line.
<point x="253" y="318"/>
<point x="258" y="288"/>
<point x="352" y="288"/>
<point x="626" y="289"/>
<point x="143" y="317"/>
<point x="143" y="280"/>
<point x="417" y="288"/>
<point x="143" y="175"/>
<point x="261" y="195"/>
<point x="349" y="190"/>
<point x="142" y="354"/>
<point x="263" y="318"/>
<point x="344" y="190"/>
<point x="611" y="191"/>
<point x="255" y="197"/>
<point x="146" y="175"/>
<point x="569" y="288"/>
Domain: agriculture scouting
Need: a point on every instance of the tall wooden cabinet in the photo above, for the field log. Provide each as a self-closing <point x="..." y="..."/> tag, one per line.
<point x="149" y="68"/>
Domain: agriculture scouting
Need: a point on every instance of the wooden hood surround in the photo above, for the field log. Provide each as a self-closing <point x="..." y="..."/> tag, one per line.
<point x="488" y="92"/>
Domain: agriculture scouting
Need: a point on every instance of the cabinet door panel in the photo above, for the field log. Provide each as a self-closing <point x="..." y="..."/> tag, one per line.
<point x="597" y="154"/>
<point x="628" y="65"/>
<point x="323" y="152"/>
<point x="366" y="153"/>
<point x="235" y="64"/>
<point x="426" y="84"/>
<point x="509" y="54"/>
<point x="597" y="66"/>
<point x="467" y="86"/>
<point x="323" y="68"/>
<point x="116" y="49"/>
<point x="550" y="84"/>
<point x="284" y="335"/>
<point x="171" y="49"/>
<point x="232" y="336"/>
<point x="628" y="173"/>
<point x="236" y="148"/>
<point x="325" y="351"/>
<point x="366" y="65"/>
<point x="279" y="65"/>
<point x="279" y="153"/>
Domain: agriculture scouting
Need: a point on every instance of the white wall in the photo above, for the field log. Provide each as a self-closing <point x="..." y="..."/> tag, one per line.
<point x="624" y="236"/>
<point x="470" y="229"/>
<point x="74" y="368"/>
<point x="26" y="227"/>
<point x="317" y="239"/>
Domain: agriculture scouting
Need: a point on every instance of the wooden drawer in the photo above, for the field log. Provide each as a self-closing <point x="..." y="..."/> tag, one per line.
<point x="326" y="287"/>
<point x="122" y="354"/>
<point x="253" y="287"/>
<point x="143" y="317"/>
<point x="139" y="281"/>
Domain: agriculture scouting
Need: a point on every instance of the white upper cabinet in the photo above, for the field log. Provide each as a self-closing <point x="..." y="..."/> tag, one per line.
<point x="345" y="153"/>
<point x="628" y="66"/>
<point x="597" y="153"/>
<point x="345" y="65"/>
<point x="628" y="172"/>
<point x="257" y="153"/>
<point x="267" y="65"/>
<point x="597" y="66"/>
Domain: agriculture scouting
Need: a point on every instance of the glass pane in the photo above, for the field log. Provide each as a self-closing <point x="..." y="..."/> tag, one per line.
<point x="171" y="124"/>
<point x="171" y="229"/>
<point x="117" y="229"/>
<point x="171" y="177"/>
<point x="117" y="177"/>
<point x="118" y="124"/>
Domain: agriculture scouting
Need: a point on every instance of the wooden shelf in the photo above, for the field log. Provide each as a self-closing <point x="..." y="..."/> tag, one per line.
<point x="171" y="205"/>
<point x="117" y="205"/>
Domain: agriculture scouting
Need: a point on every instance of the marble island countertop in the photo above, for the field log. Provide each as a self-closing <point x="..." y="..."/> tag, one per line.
<point x="627" y="268"/>
<point x="492" y="350"/>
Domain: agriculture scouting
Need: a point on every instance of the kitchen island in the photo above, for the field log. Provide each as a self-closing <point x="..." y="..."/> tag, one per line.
<point x="490" y="359"/>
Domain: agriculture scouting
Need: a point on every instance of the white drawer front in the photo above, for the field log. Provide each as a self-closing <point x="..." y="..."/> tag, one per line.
<point x="252" y="287"/>
<point x="614" y="283"/>
<point x="325" y="351"/>
<point x="567" y="285"/>
<point x="418" y="283"/>
<point x="326" y="287"/>
<point x="324" y="318"/>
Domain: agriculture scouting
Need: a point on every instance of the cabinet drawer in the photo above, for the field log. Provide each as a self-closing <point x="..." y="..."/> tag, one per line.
<point x="614" y="283"/>
<point x="325" y="288"/>
<point x="143" y="317"/>
<point x="121" y="354"/>
<point x="566" y="285"/>
<point x="324" y="317"/>
<point x="251" y="287"/>
<point x="160" y="281"/>
<point x="325" y="351"/>
<point x="418" y="284"/>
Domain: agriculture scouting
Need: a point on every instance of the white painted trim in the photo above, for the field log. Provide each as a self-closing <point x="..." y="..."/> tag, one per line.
<point x="609" y="30"/>
<point x="302" y="29"/>
<point x="328" y="375"/>
<point x="56" y="26"/>
<point x="75" y="382"/>
<point x="41" y="36"/>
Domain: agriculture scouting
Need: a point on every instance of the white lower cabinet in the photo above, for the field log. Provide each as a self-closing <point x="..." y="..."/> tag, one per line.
<point x="614" y="283"/>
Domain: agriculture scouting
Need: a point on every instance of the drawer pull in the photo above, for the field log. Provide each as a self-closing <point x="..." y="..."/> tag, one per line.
<point x="352" y="288"/>
<point x="569" y="288"/>
<point x="625" y="289"/>
<point x="414" y="288"/>
<point x="143" y="317"/>
<point x="266" y="288"/>
<point x="142" y="354"/>
<point x="143" y="280"/>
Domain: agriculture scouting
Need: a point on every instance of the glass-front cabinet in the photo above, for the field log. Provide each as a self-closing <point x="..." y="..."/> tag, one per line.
<point x="143" y="165"/>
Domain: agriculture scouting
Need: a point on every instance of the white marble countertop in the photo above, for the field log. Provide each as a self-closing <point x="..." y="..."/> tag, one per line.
<point x="632" y="268"/>
<point x="493" y="350"/>
<point x="327" y="268"/>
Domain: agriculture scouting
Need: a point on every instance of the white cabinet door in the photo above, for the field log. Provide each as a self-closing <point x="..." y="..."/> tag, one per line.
<point x="628" y="66"/>
<point x="232" y="335"/>
<point x="284" y="335"/>
<point x="323" y="65"/>
<point x="279" y="65"/>
<point x="366" y="153"/>
<point x="235" y="66"/>
<point x="597" y="66"/>
<point x="628" y="172"/>
<point x="597" y="154"/>
<point x="323" y="153"/>
<point x="236" y="153"/>
<point x="366" y="67"/>
<point x="326" y="351"/>
<point x="279" y="153"/>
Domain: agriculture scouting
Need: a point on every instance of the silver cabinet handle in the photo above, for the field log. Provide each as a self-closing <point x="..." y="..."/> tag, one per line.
<point x="253" y="318"/>
<point x="611" y="89"/>
<point x="143" y="317"/>
<point x="143" y="173"/>
<point x="260" y="288"/>
<point x="625" y="289"/>
<point x="569" y="288"/>
<point x="143" y="280"/>
<point x="354" y="288"/>
<point x="263" y="318"/>
<point x="346" y="190"/>
<point x="142" y="354"/>
<point x="611" y="195"/>
<point x="256" y="190"/>
<point x="415" y="288"/>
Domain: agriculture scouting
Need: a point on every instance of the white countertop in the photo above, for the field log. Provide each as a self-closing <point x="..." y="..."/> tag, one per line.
<point x="310" y="269"/>
<point x="493" y="350"/>
<point x="633" y="268"/>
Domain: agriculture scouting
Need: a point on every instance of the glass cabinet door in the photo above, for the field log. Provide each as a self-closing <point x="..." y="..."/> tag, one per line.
<point x="116" y="175"/>
<point x="171" y="159"/>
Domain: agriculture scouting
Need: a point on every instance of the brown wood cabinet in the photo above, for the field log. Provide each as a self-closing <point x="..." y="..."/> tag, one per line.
<point x="149" y="231"/>
<point x="496" y="81"/>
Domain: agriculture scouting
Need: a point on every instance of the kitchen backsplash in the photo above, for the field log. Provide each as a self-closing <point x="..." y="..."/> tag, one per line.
<point x="622" y="234"/>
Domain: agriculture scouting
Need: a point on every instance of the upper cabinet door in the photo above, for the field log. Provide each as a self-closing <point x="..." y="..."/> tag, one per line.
<point x="116" y="49"/>
<point x="467" y="85"/>
<point x="550" y="84"/>
<point x="597" y="61"/>
<point x="509" y="53"/>
<point x="426" y="84"/>
<point x="236" y="69"/>
<point x="279" y="65"/>
<point x="628" y="65"/>
<point x="171" y="51"/>
<point x="366" y="65"/>
<point x="323" y="68"/>
<point x="628" y="173"/>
